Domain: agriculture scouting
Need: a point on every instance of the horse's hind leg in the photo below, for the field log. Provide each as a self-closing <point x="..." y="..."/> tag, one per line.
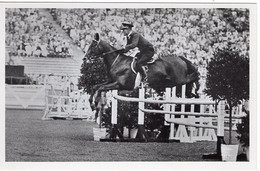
<point x="189" y="90"/>
<point x="190" y="87"/>
<point x="191" y="78"/>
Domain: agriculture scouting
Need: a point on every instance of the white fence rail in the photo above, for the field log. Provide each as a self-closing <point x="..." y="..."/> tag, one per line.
<point x="55" y="103"/>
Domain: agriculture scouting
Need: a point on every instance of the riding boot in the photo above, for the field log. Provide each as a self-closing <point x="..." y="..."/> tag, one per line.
<point x="142" y="71"/>
<point x="143" y="74"/>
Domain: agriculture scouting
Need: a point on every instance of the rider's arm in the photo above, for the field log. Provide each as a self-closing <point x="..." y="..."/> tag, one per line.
<point x="134" y="43"/>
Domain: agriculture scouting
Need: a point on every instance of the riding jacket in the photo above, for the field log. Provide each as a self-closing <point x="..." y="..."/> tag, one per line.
<point x="137" y="40"/>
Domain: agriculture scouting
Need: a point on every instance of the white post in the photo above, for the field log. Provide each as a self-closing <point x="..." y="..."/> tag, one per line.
<point x="220" y="131"/>
<point x="59" y="106"/>
<point x="167" y="106"/>
<point x="183" y="92"/>
<point x="173" y="95"/>
<point x="192" y="121"/>
<point x="114" y="108"/>
<point x="183" y="134"/>
<point x="202" y="110"/>
<point x="47" y="108"/>
<point x="141" y="106"/>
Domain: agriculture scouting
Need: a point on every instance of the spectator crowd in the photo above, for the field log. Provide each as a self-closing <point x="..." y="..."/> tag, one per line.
<point x="30" y="34"/>
<point x="194" y="33"/>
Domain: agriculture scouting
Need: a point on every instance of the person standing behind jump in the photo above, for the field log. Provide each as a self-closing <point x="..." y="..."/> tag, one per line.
<point x="134" y="40"/>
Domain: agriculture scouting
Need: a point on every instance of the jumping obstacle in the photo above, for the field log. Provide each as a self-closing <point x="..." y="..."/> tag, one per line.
<point x="80" y="107"/>
<point x="61" y="103"/>
<point x="190" y="126"/>
<point x="185" y="126"/>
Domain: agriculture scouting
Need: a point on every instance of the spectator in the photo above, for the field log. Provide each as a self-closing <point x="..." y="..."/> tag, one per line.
<point x="37" y="49"/>
<point x="29" y="49"/>
<point x="44" y="51"/>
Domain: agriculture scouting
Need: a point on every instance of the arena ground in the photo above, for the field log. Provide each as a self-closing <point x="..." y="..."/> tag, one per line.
<point x="28" y="138"/>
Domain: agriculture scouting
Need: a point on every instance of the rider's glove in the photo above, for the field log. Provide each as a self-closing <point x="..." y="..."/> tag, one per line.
<point x="123" y="50"/>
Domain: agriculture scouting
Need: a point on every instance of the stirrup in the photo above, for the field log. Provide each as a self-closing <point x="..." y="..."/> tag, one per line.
<point x="145" y="79"/>
<point x="151" y="61"/>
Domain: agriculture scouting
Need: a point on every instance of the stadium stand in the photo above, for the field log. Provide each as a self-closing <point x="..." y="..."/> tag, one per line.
<point x="56" y="66"/>
<point x="67" y="33"/>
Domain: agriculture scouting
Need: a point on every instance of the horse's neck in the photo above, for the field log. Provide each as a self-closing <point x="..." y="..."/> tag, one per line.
<point x="111" y="57"/>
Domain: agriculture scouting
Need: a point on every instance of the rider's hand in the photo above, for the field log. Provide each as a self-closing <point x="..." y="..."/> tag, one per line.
<point x="120" y="51"/>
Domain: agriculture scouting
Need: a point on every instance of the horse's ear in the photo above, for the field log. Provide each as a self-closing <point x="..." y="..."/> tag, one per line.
<point x="96" y="37"/>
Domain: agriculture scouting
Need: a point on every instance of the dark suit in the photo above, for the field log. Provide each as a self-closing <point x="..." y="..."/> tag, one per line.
<point x="146" y="49"/>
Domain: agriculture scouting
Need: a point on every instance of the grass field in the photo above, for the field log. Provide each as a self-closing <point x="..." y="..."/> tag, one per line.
<point x="28" y="138"/>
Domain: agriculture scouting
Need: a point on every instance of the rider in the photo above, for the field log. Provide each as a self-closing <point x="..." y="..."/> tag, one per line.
<point x="134" y="40"/>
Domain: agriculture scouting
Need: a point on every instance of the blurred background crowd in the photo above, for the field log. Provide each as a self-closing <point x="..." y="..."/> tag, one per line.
<point x="30" y="34"/>
<point x="193" y="33"/>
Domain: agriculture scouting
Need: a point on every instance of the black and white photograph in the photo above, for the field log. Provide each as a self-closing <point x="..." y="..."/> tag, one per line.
<point x="136" y="83"/>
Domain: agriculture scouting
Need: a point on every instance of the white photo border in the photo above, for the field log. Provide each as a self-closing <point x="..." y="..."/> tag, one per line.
<point x="251" y="165"/>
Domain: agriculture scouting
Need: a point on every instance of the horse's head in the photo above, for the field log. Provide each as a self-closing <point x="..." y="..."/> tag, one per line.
<point x="95" y="49"/>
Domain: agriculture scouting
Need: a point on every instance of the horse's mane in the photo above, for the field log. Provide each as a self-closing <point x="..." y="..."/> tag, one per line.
<point x="109" y="45"/>
<point x="114" y="49"/>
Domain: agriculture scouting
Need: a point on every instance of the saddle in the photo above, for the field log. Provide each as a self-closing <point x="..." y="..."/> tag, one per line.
<point x="133" y="53"/>
<point x="133" y="65"/>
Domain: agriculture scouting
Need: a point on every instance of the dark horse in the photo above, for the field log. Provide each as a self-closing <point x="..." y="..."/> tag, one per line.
<point x="168" y="71"/>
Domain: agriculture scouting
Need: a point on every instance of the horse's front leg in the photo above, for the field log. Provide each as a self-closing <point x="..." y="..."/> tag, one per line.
<point x="95" y="88"/>
<point x="110" y="86"/>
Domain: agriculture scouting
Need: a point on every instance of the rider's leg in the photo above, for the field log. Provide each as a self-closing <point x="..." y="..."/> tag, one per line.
<point x="140" y="69"/>
<point x="142" y="59"/>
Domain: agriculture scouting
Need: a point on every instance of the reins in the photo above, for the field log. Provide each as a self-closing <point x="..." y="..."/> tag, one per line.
<point x="106" y="53"/>
<point x="115" y="60"/>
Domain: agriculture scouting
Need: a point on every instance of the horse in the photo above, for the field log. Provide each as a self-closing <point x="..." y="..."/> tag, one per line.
<point x="167" y="71"/>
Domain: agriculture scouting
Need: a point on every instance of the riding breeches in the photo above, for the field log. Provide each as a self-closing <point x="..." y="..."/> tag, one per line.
<point x="143" y="57"/>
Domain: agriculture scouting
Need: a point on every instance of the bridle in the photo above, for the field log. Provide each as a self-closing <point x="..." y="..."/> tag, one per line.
<point x="101" y="55"/>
